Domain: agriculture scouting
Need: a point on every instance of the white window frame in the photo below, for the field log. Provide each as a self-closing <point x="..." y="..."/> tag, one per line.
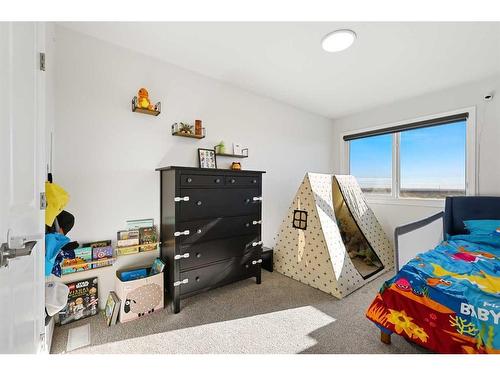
<point x="394" y="198"/>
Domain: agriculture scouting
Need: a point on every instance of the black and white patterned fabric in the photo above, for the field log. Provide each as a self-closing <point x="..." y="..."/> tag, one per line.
<point x="317" y="256"/>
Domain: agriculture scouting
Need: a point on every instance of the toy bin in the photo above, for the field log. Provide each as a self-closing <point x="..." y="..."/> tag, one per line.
<point x="141" y="296"/>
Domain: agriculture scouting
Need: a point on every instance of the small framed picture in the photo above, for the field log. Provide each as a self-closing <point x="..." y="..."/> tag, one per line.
<point x="207" y="158"/>
<point x="239" y="149"/>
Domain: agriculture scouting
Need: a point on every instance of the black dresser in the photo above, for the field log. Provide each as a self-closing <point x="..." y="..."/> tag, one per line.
<point x="210" y="228"/>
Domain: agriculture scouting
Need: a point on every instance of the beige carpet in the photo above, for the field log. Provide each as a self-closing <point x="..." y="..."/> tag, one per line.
<point x="279" y="316"/>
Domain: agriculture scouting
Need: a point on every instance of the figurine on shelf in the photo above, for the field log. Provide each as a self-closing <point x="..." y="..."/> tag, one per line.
<point x="220" y="148"/>
<point x="143" y="99"/>
<point x="236" y="166"/>
<point x="185" y="128"/>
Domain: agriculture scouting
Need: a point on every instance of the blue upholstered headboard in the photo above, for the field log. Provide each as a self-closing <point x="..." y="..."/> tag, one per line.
<point x="458" y="209"/>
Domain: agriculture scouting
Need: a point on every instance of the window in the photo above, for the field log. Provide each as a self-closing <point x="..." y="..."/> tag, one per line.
<point x="433" y="161"/>
<point x="299" y="219"/>
<point x="424" y="159"/>
<point x="371" y="163"/>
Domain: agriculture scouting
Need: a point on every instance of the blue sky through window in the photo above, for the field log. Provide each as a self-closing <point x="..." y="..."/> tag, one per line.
<point x="371" y="161"/>
<point x="434" y="158"/>
<point x="431" y="158"/>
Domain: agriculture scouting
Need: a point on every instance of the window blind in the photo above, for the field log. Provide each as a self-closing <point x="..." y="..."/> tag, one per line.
<point x="410" y="126"/>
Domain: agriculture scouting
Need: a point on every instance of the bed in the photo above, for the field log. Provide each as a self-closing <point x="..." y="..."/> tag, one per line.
<point x="447" y="299"/>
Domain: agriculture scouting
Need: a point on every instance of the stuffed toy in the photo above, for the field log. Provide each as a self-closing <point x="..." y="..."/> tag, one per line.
<point x="143" y="99"/>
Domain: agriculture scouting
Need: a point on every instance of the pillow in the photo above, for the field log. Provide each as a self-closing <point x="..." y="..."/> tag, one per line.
<point x="482" y="226"/>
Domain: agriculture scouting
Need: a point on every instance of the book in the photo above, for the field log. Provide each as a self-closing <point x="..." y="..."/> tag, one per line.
<point x="127" y="238"/>
<point x="102" y="251"/>
<point x="128" y="235"/>
<point x="112" y="308"/>
<point x="157" y="267"/>
<point x="104" y="255"/>
<point x="127" y="243"/>
<point x="83" y="255"/>
<point x="82" y="301"/>
<point x="93" y="245"/>
<point x="148" y="236"/>
<point x="137" y="224"/>
<point x="133" y="274"/>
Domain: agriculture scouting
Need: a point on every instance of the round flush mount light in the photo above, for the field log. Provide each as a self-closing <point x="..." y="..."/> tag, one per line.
<point x="338" y="40"/>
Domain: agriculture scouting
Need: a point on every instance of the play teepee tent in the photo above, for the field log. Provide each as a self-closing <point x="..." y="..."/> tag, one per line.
<point x="330" y="238"/>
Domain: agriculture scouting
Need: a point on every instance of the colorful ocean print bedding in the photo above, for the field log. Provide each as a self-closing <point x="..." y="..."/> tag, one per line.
<point x="447" y="299"/>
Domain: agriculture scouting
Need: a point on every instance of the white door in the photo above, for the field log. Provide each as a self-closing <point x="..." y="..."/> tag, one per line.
<point x="22" y="175"/>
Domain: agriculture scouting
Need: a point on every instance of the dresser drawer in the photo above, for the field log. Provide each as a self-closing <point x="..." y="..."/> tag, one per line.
<point x="200" y="180"/>
<point x="219" y="273"/>
<point x="242" y="180"/>
<point x="213" y="203"/>
<point x="213" y="251"/>
<point x="191" y="232"/>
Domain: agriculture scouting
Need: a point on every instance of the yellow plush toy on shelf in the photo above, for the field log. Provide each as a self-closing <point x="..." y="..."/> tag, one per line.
<point x="143" y="99"/>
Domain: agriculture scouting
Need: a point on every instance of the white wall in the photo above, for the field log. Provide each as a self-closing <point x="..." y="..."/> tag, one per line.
<point x="105" y="155"/>
<point x="487" y="129"/>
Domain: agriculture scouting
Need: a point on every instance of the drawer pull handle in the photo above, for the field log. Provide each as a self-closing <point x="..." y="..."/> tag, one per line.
<point x="256" y="261"/>
<point x="198" y="231"/>
<point x="217" y="180"/>
<point x="247" y="200"/>
<point x="178" y="199"/>
<point x="254" y="181"/>
<point x="233" y="180"/>
<point x="198" y="203"/>
<point x="257" y="198"/>
<point x="256" y="243"/>
<point x="197" y="279"/>
<point x="255" y="222"/>
<point x="185" y="233"/>
<point x="181" y="256"/>
<point x="180" y="282"/>
<point x="247" y="225"/>
<point x="198" y="255"/>
<point x="189" y="180"/>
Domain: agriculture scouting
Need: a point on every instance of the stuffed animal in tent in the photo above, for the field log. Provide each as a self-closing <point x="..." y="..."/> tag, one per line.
<point x="143" y="99"/>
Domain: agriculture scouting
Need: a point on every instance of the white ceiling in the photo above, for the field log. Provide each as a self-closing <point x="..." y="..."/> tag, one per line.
<point x="388" y="61"/>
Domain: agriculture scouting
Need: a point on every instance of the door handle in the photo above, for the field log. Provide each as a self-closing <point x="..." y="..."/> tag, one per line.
<point x="17" y="246"/>
<point x="7" y="253"/>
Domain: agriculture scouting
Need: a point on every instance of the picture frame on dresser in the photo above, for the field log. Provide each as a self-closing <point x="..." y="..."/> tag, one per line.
<point x="207" y="158"/>
<point x="210" y="229"/>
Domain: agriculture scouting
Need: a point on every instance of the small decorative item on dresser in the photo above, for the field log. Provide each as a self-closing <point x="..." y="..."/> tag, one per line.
<point x="207" y="158"/>
<point x="197" y="127"/>
<point x="236" y="166"/>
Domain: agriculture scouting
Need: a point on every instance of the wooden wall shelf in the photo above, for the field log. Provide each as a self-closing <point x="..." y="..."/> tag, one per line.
<point x="188" y="135"/>
<point x="152" y="112"/>
<point x="233" y="155"/>
<point x="129" y="250"/>
<point x="79" y="267"/>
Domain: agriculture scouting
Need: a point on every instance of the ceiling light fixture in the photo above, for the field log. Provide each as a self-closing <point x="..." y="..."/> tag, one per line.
<point x="338" y="40"/>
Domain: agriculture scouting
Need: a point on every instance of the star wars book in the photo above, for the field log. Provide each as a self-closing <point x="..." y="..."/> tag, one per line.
<point x="82" y="301"/>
